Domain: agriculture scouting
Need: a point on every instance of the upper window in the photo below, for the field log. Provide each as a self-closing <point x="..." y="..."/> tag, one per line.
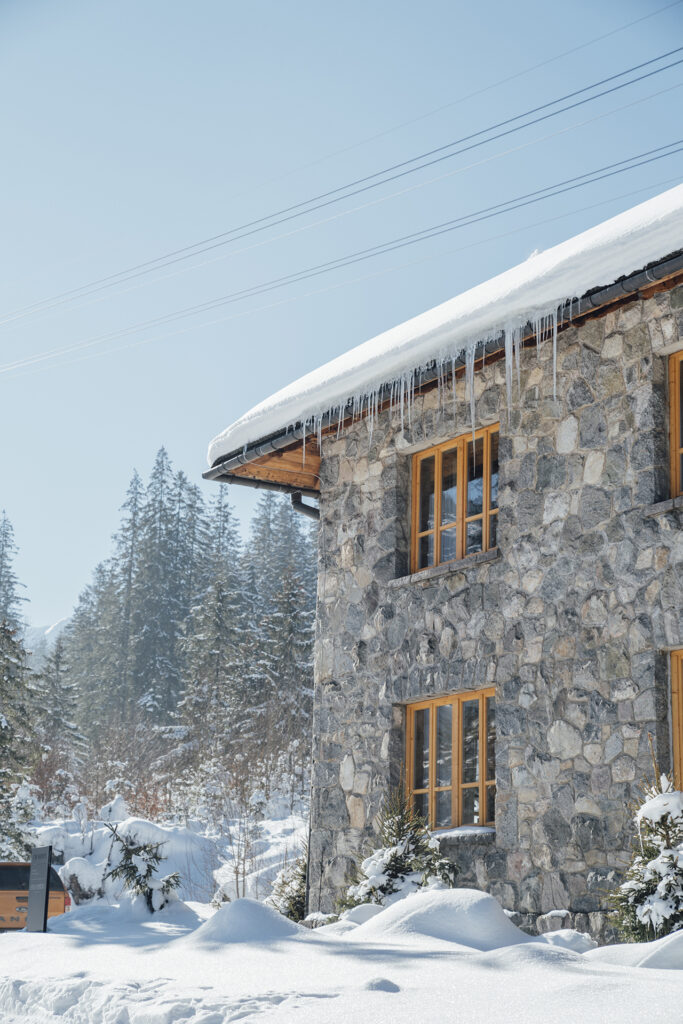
<point x="455" y="499"/>
<point x="450" y="763"/>
<point x="676" y="422"/>
<point x="677" y="715"/>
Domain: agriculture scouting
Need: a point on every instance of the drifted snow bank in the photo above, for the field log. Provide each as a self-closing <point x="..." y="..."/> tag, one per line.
<point x="432" y="957"/>
<point x="531" y="292"/>
<point x="468" y="917"/>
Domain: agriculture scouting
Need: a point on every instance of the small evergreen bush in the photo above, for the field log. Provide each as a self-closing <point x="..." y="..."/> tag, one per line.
<point x="649" y="903"/>
<point x="408" y="859"/>
<point x="288" y="895"/>
<point x="138" y="870"/>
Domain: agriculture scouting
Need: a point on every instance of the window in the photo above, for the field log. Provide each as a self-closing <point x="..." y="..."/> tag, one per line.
<point x="676" y="422"/>
<point x="455" y="499"/>
<point x="451" y="768"/>
<point x="677" y="715"/>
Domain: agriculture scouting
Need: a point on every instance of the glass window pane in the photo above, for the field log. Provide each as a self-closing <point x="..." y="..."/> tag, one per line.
<point x="421" y="804"/>
<point x="493" y="531"/>
<point x="421" y="749"/>
<point x="443" y="809"/>
<point x="426" y="511"/>
<point x="494" y="470"/>
<point x="470" y="741"/>
<point x="474" y="538"/>
<point x="490" y="805"/>
<point x="490" y="738"/>
<point x="449" y="549"/>
<point x="425" y="552"/>
<point x="449" y="486"/>
<point x="470" y="806"/>
<point x="444" y="744"/>
<point x="475" y="477"/>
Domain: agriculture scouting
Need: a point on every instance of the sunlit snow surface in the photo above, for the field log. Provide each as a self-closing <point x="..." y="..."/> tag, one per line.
<point x="530" y="292"/>
<point x="440" y="956"/>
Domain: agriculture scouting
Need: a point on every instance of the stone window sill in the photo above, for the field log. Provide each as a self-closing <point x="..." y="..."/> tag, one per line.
<point x="465" y="834"/>
<point x="662" y="507"/>
<point x="448" y="569"/>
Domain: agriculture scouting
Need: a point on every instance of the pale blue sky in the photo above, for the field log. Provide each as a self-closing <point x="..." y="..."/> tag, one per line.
<point x="132" y="128"/>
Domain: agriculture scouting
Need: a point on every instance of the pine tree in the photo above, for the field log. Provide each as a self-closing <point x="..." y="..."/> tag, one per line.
<point x="9" y="585"/>
<point x="60" y="746"/>
<point x="288" y="895"/>
<point x="408" y="859"/>
<point x="138" y="869"/>
<point x="649" y="903"/>
<point x="16" y="736"/>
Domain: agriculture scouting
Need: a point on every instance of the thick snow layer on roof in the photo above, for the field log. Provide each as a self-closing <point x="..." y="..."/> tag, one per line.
<point x="533" y="289"/>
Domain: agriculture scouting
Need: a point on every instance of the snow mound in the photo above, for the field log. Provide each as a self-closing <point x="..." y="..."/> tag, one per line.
<point x="362" y="913"/>
<point x="464" y="916"/>
<point x="246" y="920"/>
<point x="662" y="954"/>
<point x="115" y="810"/>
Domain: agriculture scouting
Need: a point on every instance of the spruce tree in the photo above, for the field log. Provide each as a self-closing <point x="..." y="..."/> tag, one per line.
<point x="17" y="703"/>
<point x="10" y="600"/>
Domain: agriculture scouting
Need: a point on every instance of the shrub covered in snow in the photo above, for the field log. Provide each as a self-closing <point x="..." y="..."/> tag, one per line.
<point x="649" y="904"/>
<point x="288" y="895"/>
<point x="408" y="859"/>
<point x="138" y="869"/>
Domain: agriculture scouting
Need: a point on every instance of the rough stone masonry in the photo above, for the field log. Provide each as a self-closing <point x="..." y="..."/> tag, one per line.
<point x="571" y="617"/>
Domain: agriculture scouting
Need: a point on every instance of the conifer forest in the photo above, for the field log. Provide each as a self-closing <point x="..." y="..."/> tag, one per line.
<point x="183" y="679"/>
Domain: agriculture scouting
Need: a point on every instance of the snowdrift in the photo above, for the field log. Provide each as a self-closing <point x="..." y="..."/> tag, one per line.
<point x="246" y="920"/>
<point x="466" y="917"/>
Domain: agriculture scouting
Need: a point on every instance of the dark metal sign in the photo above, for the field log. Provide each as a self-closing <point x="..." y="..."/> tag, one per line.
<point x="39" y="889"/>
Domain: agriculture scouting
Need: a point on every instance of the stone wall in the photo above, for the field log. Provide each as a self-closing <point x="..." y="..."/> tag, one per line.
<point x="570" y="618"/>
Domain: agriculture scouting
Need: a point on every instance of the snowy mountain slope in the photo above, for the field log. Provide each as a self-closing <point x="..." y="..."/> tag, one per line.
<point x="40" y="640"/>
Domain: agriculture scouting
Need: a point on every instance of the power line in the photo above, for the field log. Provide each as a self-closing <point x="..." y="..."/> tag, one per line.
<point x="466" y="220"/>
<point x="391" y="195"/>
<point x="355" y="280"/>
<point x="333" y="196"/>
<point x="461" y="99"/>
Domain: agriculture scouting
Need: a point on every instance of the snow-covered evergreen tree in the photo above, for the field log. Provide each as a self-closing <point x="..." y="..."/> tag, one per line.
<point x="17" y="706"/>
<point x="60" y="745"/>
<point x="408" y="859"/>
<point x="649" y="903"/>
<point x="10" y="599"/>
<point x="288" y="895"/>
<point x="138" y="869"/>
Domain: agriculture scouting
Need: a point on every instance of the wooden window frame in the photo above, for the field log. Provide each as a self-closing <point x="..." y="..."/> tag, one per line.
<point x="675" y="432"/>
<point x="677" y="716"/>
<point x="456" y="787"/>
<point x="459" y="444"/>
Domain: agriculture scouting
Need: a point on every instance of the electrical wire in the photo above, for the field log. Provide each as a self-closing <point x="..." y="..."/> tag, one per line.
<point x="328" y="198"/>
<point x="343" y="284"/>
<point x="467" y="220"/>
<point x="382" y="199"/>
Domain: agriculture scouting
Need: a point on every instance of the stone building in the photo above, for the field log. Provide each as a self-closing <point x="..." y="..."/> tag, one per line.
<point x="500" y="597"/>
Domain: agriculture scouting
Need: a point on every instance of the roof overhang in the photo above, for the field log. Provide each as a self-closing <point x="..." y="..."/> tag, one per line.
<point x="289" y="460"/>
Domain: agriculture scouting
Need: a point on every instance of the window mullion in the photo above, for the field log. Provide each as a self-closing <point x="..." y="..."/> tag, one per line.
<point x="437" y="507"/>
<point x="432" y="765"/>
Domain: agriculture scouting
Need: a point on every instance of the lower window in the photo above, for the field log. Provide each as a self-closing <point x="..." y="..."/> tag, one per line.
<point x="450" y="762"/>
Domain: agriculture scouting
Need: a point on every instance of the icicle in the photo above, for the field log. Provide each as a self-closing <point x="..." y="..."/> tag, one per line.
<point x="455" y="397"/>
<point x="554" y="316"/>
<point x="508" y="368"/>
<point x="469" y="375"/>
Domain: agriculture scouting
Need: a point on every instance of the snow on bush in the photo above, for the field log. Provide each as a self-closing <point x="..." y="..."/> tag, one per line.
<point x="649" y="904"/>
<point x="408" y="859"/>
<point x="139" y="870"/>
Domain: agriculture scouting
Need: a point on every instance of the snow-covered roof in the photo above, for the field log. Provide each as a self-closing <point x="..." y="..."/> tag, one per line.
<point x="535" y="288"/>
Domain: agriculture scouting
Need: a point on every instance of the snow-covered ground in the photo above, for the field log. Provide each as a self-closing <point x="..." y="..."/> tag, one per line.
<point x="449" y="955"/>
<point x="243" y="858"/>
